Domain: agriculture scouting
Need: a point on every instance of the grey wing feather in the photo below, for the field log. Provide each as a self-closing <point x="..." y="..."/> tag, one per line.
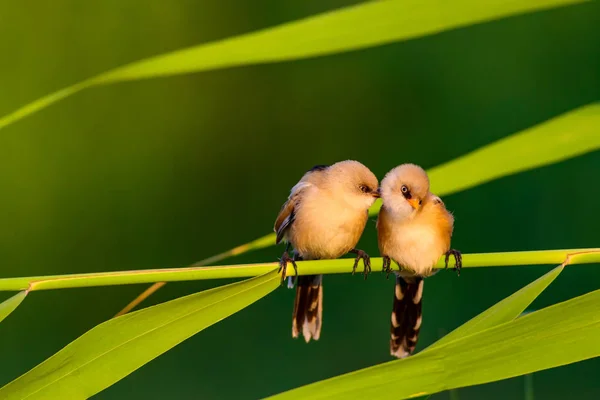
<point x="287" y="213"/>
<point x="285" y="219"/>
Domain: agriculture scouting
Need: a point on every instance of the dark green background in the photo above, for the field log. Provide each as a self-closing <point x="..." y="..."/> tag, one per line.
<point x="165" y="172"/>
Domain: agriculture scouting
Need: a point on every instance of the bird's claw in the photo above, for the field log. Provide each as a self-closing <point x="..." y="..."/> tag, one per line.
<point x="387" y="266"/>
<point x="457" y="260"/>
<point x="285" y="258"/>
<point x="366" y="262"/>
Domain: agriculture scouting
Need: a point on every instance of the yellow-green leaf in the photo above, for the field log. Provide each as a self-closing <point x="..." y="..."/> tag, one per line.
<point x="361" y="26"/>
<point x="558" y="335"/>
<point x="116" y="348"/>
<point x="364" y="25"/>
<point x="504" y="311"/>
<point x="11" y="303"/>
<point x="566" y="136"/>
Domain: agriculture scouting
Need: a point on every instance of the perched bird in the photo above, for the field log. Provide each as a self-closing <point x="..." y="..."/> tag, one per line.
<point x="323" y="218"/>
<point x="414" y="230"/>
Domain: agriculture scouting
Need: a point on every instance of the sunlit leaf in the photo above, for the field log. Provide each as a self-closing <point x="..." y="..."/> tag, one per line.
<point x="558" y="335"/>
<point x="116" y="348"/>
<point x="504" y="311"/>
<point x="566" y="136"/>
<point x="361" y="26"/>
<point x="356" y="27"/>
<point x="9" y="305"/>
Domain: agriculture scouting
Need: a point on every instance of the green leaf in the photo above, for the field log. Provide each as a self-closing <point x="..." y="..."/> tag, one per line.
<point x="10" y="304"/>
<point x="504" y="311"/>
<point x="356" y="27"/>
<point x="566" y="136"/>
<point x="114" y="349"/>
<point x="352" y="28"/>
<point x="558" y="335"/>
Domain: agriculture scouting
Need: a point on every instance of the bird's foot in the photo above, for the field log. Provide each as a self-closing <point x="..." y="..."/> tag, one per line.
<point x="387" y="266"/>
<point x="457" y="260"/>
<point x="366" y="262"/>
<point x="285" y="258"/>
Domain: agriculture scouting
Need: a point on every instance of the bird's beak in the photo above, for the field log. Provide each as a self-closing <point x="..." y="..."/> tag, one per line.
<point x="414" y="203"/>
<point x="377" y="193"/>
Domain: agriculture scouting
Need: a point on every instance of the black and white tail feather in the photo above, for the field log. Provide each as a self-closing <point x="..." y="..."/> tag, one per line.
<point x="308" y="307"/>
<point x="406" y="315"/>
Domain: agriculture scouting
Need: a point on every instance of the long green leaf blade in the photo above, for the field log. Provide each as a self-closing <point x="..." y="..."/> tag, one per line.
<point x="503" y="311"/>
<point x="357" y="27"/>
<point x="114" y="349"/>
<point x="9" y="305"/>
<point x="562" y="334"/>
<point x="361" y="26"/>
<point x="566" y="136"/>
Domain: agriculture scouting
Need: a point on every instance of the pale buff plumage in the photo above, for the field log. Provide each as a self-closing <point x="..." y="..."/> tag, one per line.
<point x="324" y="218"/>
<point x="416" y="243"/>
<point x="414" y="230"/>
<point x="326" y="211"/>
<point x="413" y="235"/>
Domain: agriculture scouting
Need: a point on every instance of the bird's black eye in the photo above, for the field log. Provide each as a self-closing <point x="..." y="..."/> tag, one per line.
<point x="364" y="188"/>
<point x="405" y="192"/>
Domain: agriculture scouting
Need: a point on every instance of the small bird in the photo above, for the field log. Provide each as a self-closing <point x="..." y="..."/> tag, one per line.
<point x="414" y="230"/>
<point x="323" y="218"/>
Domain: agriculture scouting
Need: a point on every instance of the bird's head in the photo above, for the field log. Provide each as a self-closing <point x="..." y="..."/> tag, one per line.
<point x="404" y="189"/>
<point x="355" y="182"/>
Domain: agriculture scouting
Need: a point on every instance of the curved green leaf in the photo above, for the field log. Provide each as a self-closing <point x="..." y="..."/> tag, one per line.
<point x="357" y="27"/>
<point x="10" y="304"/>
<point x="503" y="311"/>
<point x="566" y="136"/>
<point x="116" y="348"/>
<point x="558" y="335"/>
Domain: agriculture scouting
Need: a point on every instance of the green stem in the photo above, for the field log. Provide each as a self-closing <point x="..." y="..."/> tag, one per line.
<point x="339" y="266"/>
<point x="529" y="387"/>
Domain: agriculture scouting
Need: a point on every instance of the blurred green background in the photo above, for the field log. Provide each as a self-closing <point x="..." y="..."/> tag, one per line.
<point x="165" y="172"/>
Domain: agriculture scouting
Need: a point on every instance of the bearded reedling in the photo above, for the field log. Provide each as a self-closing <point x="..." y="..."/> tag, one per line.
<point x="414" y="230"/>
<point x="323" y="218"/>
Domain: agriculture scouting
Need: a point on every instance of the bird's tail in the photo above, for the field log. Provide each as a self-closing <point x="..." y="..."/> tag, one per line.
<point x="406" y="315"/>
<point x="308" y="307"/>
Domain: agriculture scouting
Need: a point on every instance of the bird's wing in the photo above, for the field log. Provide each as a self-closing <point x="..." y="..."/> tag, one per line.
<point x="444" y="218"/>
<point x="287" y="213"/>
<point x="285" y="218"/>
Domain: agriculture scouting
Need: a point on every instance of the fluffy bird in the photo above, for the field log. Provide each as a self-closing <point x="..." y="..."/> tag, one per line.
<point x="323" y="218"/>
<point x="414" y="230"/>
